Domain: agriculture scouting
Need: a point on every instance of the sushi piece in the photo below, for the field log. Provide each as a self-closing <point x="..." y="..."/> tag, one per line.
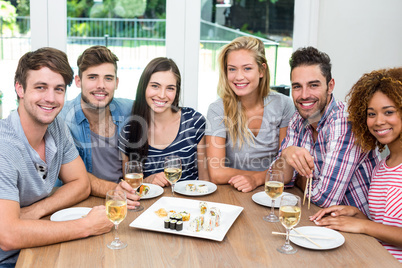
<point x="167" y="223"/>
<point x="190" y="187"/>
<point x="195" y="225"/>
<point x="185" y="216"/>
<point x="143" y="190"/>
<point x="179" y="226"/>
<point x="203" y="207"/>
<point x="202" y="188"/>
<point x="209" y="223"/>
<point x="216" y="213"/>
<point x="173" y="224"/>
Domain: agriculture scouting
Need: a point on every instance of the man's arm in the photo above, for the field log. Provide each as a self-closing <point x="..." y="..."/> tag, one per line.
<point x="75" y="189"/>
<point x="17" y="233"/>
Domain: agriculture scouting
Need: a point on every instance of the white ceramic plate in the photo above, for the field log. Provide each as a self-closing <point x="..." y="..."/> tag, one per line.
<point x="148" y="220"/>
<point x="180" y="187"/>
<point x="318" y="231"/>
<point x="263" y="199"/>
<point x="70" y="214"/>
<point x="154" y="191"/>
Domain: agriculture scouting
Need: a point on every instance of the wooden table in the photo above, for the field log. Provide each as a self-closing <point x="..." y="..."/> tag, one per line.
<point x="248" y="243"/>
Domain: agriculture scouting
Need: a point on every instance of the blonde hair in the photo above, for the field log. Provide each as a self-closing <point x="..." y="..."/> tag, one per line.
<point x="235" y="119"/>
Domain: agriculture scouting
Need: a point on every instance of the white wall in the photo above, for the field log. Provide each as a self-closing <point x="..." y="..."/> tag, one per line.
<point x="358" y="35"/>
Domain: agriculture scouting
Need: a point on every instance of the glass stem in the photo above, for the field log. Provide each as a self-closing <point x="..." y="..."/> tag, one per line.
<point x="172" y="189"/>
<point x="116" y="234"/>
<point x="287" y="237"/>
<point x="272" y="207"/>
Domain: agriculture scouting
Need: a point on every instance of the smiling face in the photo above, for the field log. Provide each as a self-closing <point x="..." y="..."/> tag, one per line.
<point x="310" y="92"/>
<point x="43" y="97"/>
<point x="384" y="120"/>
<point x="98" y="84"/>
<point x="243" y="73"/>
<point x="161" y="91"/>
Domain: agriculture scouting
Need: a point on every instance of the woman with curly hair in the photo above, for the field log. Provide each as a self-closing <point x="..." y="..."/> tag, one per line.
<point x="246" y="125"/>
<point x="375" y="107"/>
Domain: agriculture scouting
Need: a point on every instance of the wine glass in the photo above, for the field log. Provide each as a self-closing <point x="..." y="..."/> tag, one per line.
<point x="116" y="211"/>
<point x="273" y="188"/>
<point x="289" y="215"/>
<point x="172" y="170"/>
<point x="133" y="175"/>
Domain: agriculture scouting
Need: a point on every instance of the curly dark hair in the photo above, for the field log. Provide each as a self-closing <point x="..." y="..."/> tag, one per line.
<point x="387" y="81"/>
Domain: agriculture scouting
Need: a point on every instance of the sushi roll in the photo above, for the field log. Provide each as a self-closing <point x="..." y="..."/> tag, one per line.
<point x="173" y="224"/>
<point x="178" y="217"/>
<point x="209" y="223"/>
<point x="202" y="188"/>
<point x="167" y="223"/>
<point x="179" y="226"/>
<point x="216" y="213"/>
<point x="185" y="216"/>
<point x="203" y="207"/>
<point x="190" y="187"/>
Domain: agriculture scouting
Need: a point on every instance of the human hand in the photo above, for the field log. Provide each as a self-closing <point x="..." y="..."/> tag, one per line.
<point x="132" y="197"/>
<point x="243" y="183"/>
<point x="343" y="223"/>
<point x="300" y="159"/>
<point x="160" y="179"/>
<point x="98" y="221"/>
<point x="335" y="211"/>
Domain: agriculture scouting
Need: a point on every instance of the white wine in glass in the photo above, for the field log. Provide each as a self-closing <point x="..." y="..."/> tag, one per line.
<point x="172" y="170"/>
<point x="116" y="211"/>
<point x="134" y="176"/>
<point x="289" y="216"/>
<point x="274" y="183"/>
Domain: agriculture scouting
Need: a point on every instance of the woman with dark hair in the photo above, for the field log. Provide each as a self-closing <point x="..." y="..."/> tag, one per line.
<point x="158" y="127"/>
<point x="375" y="108"/>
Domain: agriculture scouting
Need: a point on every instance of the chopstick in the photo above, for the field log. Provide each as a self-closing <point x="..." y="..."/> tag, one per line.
<point x="305" y="236"/>
<point x="309" y="236"/>
<point x="309" y="193"/>
<point x="309" y="182"/>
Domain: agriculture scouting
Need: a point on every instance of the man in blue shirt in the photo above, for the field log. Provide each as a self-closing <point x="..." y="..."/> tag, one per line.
<point x="95" y="119"/>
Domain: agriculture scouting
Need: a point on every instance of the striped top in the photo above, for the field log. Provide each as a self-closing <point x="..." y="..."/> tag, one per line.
<point x="342" y="171"/>
<point x="385" y="200"/>
<point x="191" y="131"/>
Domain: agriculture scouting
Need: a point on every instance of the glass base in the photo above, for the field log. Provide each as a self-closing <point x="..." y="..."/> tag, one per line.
<point x="270" y="218"/>
<point x="117" y="244"/>
<point x="138" y="208"/>
<point x="287" y="249"/>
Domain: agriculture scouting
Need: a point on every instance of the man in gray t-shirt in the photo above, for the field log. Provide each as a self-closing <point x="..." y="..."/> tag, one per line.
<point x="36" y="148"/>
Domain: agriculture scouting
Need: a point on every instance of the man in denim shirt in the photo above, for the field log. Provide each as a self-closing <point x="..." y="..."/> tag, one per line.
<point x="95" y="119"/>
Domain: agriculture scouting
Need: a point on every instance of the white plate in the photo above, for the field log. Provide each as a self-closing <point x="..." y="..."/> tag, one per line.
<point x="70" y="214"/>
<point x="148" y="220"/>
<point x="180" y="187"/>
<point x="318" y="231"/>
<point x="263" y="199"/>
<point x="154" y="191"/>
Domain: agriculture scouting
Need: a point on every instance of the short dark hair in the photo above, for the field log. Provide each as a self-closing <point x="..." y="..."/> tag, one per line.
<point x="52" y="58"/>
<point x="94" y="56"/>
<point x="308" y="56"/>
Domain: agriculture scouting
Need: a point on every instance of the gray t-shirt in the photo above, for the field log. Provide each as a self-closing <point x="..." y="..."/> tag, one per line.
<point x="259" y="154"/>
<point x="24" y="176"/>
<point x="106" y="158"/>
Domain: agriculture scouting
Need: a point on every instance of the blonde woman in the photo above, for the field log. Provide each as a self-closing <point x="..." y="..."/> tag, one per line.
<point x="246" y="125"/>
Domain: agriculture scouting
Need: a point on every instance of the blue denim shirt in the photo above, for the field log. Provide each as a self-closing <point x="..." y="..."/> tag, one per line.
<point x="79" y="126"/>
